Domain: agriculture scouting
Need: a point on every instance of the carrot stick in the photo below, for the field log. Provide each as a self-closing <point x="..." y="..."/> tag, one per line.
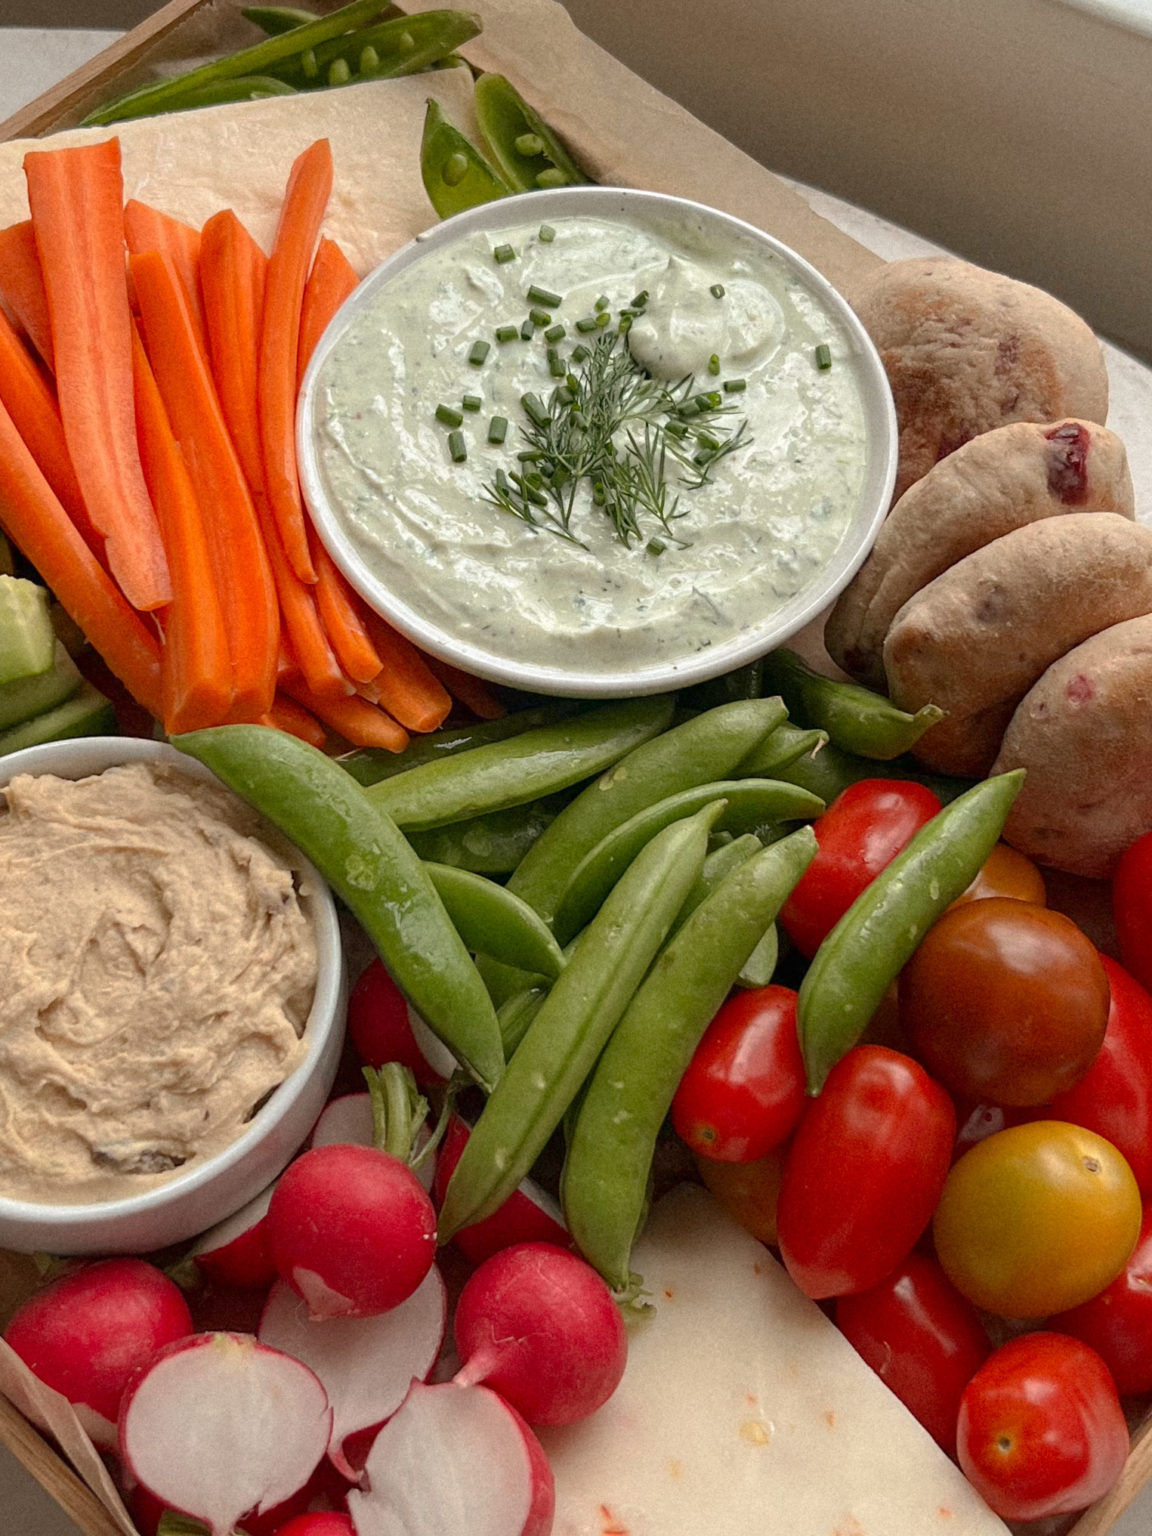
<point x="29" y="399"/>
<point x="359" y="722"/>
<point x="309" y="187"/>
<point x="331" y="280"/>
<point x="243" y="576"/>
<point x="406" y="685"/>
<point x="311" y="653"/>
<point x="148" y="229"/>
<point x="470" y="691"/>
<point x="44" y="532"/>
<point x="232" y="276"/>
<point x="287" y="715"/>
<point x="76" y="197"/>
<point x="342" y="615"/>
<point x="22" y="286"/>
<point x="196" y="674"/>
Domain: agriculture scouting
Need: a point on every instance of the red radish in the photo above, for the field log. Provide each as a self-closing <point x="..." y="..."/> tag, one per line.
<point x="88" y="1332"/>
<point x="218" y="1425"/>
<point x="455" y="1459"/>
<point x="318" y="1525"/>
<point x="366" y="1364"/>
<point x="352" y="1230"/>
<point x="238" y="1250"/>
<point x="347" y="1120"/>
<point x="147" y="1510"/>
<point x="529" y="1215"/>
<point x="538" y="1325"/>
<point x="380" y="1027"/>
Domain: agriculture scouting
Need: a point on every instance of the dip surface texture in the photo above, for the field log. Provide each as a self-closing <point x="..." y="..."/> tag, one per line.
<point x="719" y="307"/>
<point x="157" y="975"/>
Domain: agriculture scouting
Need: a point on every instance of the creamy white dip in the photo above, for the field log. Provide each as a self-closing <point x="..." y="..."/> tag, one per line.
<point x="755" y="536"/>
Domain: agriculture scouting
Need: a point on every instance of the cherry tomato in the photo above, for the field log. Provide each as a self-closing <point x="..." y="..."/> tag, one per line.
<point x="749" y="1192"/>
<point x="1118" y="1322"/>
<point x="1132" y="908"/>
<point x="1041" y="1431"/>
<point x="743" y="1092"/>
<point x="922" y="1338"/>
<point x="1114" y="1099"/>
<point x="379" y="1027"/>
<point x="1007" y="872"/>
<point x="859" y="834"/>
<point x="864" y="1172"/>
<point x="1005" y="1001"/>
<point x="1037" y="1219"/>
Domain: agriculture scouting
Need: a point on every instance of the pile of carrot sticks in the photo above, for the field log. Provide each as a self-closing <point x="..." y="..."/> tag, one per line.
<point x="148" y="381"/>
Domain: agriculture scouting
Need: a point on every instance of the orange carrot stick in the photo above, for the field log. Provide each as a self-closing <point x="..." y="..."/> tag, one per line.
<point x="341" y="613"/>
<point x="309" y="187"/>
<point x="359" y="722"/>
<point x="471" y="692"/>
<point x="243" y="576"/>
<point x="406" y="685"/>
<point x="44" y="532"/>
<point x="331" y="280"/>
<point x="312" y="655"/>
<point x="76" y="197"/>
<point x="232" y="276"/>
<point x="22" y="286"/>
<point x="196" y="673"/>
<point x="287" y="715"/>
<point x="148" y="229"/>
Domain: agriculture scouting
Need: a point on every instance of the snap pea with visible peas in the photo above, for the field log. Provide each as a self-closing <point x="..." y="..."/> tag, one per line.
<point x="878" y="934"/>
<point x="605" y="1179"/>
<point x="404" y="45"/>
<point x="527" y="152"/>
<point x="493" y="921"/>
<point x="372" y="867"/>
<point x="855" y="718"/>
<point x="492" y="844"/>
<point x="574" y="1021"/>
<point x="456" y="175"/>
<point x="275" y="20"/>
<point x="371" y="765"/>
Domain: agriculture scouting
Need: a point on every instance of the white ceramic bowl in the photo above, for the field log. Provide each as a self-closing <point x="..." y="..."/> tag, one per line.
<point x="502" y="661"/>
<point x="191" y="1201"/>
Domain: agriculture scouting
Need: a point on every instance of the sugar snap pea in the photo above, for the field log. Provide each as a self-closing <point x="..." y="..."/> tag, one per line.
<point x="610" y="1151"/>
<point x="369" y="765"/>
<point x="405" y="45"/>
<point x="828" y="771"/>
<point x="369" y="863"/>
<point x="566" y="1036"/>
<point x="855" y="718"/>
<point x="760" y="966"/>
<point x="780" y="747"/>
<point x="877" y="935"/>
<point x="493" y="844"/>
<point x="748" y="803"/>
<point x="274" y="20"/>
<point x="494" y="921"/>
<point x="456" y="175"/>
<point x="516" y="1015"/>
<point x="719" y="863"/>
<point x="527" y="152"/>
<point x="523" y="768"/>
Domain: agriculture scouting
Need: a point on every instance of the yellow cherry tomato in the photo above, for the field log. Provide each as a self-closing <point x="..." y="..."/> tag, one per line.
<point x="749" y="1192"/>
<point x="1036" y="1219"/>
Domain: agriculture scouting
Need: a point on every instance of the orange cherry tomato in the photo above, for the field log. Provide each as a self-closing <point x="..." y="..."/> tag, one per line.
<point x="749" y="1192"/>
<point x="1007" y="872"/>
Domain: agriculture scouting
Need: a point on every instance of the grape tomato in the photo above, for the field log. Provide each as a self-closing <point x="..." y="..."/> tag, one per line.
<point x="1007" y="872"/>
<point x="1132" y="908"/>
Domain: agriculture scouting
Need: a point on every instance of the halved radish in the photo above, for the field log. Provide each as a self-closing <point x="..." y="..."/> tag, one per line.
<point x="347" y="1120"/>
<point x="318" y="1525"/>
<point x="380" y="1026"/>
<point x="455" y="1459"/>
<point x="529" y="1215"/>
<point x="366" y="1364"/>
<point x="219" y="1424"/>
<point x="238" y="1251"/>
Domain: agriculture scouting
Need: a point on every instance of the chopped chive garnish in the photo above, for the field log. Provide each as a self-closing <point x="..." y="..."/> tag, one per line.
<point x="498" y="429"/>
<point x="528" y="145"/>
<point x="529" y="491"/>
<point x="527" y="331"/>
<point x="530" y="456"/>
<point x="547" y="234"/>
<point x="457" y="447"/>
<point x="565" y="396"/>
<point x="704" y="402"/>
<point x="506" y="333"/>
<point x="535" y="410"/>
<point x="717" y="290"/>
<point x="589" y="323"/>
<point x="557" y="367"/>
<point x="627" y="313"/>
<point x="655" y="547"/>
<point x="641" y="299"/>
<point x="625" y="324"/>
<point x="539" y="295"/>
<point x="714" y="364"/>
<point x="572" y="381"/>
<point x="706" y="440"/>
<point x="448" y="416"/>
<point x="479" y="353"/>
<point x="602" y="319"/>
<point x="471" y="402"/>
<point x="555" y="333"/>
<point x="735" y="386"/>
<point x="581" y="353"/>
<point x="823" y="355"/>
<point x="601" y="303"/>
<point x="539" y="317"/>
<point x="504" y="253"/>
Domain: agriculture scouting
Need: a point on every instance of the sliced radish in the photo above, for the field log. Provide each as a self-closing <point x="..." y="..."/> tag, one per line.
<point x="219" y="1424"/>
<point x="432" y="1048"/>
<point x="347" y="1120"/>
<point x="529" y="1215"/>
<point x="366" y="1364"/>
<point x="455" y="1459"/>
<point x="380" y="1025"/>
<point x="238" y="1250"/>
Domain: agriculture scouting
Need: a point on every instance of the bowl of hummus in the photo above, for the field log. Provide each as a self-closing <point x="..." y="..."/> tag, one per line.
<point x="173" y="998"/>
<point x="596" y="441"/>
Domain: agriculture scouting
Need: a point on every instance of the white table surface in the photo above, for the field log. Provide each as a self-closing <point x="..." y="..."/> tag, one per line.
<point x="34" y="60"/>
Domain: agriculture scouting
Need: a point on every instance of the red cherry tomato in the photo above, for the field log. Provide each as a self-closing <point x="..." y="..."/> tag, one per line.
<point x="864" y="1172"/>
<point x="1117" y="1323"/>
<point x="1132" y="908"/>
<point x="743" y="1092"/>
<point x="1041" y="1431"/>
<point x="380" y="1029"/>
<point x="859" y="834"/>
<point x="1114" y="1099"/>
<point x="922" y="1339"/>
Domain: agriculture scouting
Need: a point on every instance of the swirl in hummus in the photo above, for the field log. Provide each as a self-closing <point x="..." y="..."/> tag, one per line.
<point x="158" y="972"/>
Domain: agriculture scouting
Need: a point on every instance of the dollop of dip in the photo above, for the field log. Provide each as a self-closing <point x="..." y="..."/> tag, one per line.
<point x="716" y="309"/>
<point x="157" y="975"/>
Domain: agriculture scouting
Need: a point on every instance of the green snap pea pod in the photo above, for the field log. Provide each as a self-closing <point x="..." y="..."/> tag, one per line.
<point x="878" y="934"/>
<point x="370" y="765"/>
<point x="749" y="803"/>
<point x="243" y="88"/>
<point x="828" y="772"/>
<point x="493" y="844"/>
<point x="719" y="863"/>
<point x="786" y="744"/>
<point x="523" y="768"/>
<point x="166" y="95"/>
<point x="274" y="20"/>
<point x="855" y="718"/>
<point x="494" y="921"/>
<point x="373" y="868"/>
<point x="760" y="967"/>
<point x="456" y="175"/>
<point x="567" y="1035"/>
<point x="610" y="1153"/>
<point x="526" y="150"/>
<point x="405" y="45"/>
<point x="516" y="1015"/>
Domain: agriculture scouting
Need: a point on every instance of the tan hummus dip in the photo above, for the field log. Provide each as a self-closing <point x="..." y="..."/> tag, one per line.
<point x="157" y="971"/>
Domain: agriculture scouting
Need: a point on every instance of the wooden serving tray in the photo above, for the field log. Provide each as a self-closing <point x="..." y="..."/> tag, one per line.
<point x="184" y="32"/>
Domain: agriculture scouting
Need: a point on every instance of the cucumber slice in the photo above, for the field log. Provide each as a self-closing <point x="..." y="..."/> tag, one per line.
<point x="32" y="696"/>
<point x="27" y="640"/>
<point x="87" y="713"/>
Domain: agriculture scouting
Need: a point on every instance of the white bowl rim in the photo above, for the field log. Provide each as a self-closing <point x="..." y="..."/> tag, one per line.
<point x="107" y="752"/>
<point x="698" y="666"/>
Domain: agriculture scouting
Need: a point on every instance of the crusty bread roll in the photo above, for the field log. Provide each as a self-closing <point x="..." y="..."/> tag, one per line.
<point x="999" y="481"/>
<point x="976" y="639"/>
<point x="967" y="350"/>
